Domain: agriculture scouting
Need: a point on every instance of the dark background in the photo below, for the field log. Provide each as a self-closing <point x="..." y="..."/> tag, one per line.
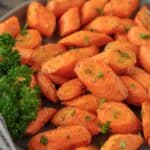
<point x="6" y="5"/>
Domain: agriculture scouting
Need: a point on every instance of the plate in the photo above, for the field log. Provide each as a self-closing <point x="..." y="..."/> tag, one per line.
<point x="20" y="11"/>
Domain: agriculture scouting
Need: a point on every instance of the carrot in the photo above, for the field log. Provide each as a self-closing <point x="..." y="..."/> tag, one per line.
<point x="47" y="87"/>
<point x="144" y="56"/>
<point x="58" y="7"/>
<point x="64" y="64"/>
<point x="137" y="93"/>
<point x="87" y="102"/>
<point x="143" y="17"/>
<point x="44" y="53"/>
<point x="11" y="25"/>
<point x="43" y="116"/>
<point x="92" y="9"/>
<point x="63" y="138"/>
<point x="120" y="56"/>
<point x="142" y="77"/>
<point x="85" y="38"/>
<point x="89" y="147"/>
<point x="121" y="36"/>
<point x="30" y="40"/>
<point x="69" y="22"/>
<point x="25" y="54"/>
<point x="70" y="90"/>
<point x="123" y="142"/>
<point x="57" y="79"/>
<point x="139" y="36"/>
<point x="98" y="78"/>
<point x="41" y="19"/>
<point x="123" y="9"/>
<point x="74" y="116"/>
<point x="110" y="25"/>
<point x="122" y="119"/>
<point x="146" y="119"/>
<point x="33" y="82"/>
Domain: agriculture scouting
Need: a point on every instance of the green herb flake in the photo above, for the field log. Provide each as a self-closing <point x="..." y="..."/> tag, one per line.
<point x="122" y="145"/>
<point x="144" y="36"/>
<point x="100" y="74"/>
<point x="124" y="54"/>
<point x="24" y="30"/>
<point x="101" y="101"/>
<point x="44" y="140"/>
<point x="99" y="11"/>
<point x="133" y="86"/>
<point x="86" y="40"/>
<point x="115" y="113"/>
<point x="104" y="128"/>
<point x="87" y="118"/>
<point x="73" y="112"/>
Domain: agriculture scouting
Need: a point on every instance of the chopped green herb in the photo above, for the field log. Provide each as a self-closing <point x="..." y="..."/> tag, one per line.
<point x="100" y="74"/>
<point x="133" y="86"/>
<point x="115" y="113"/>
<point x="105" y="127"/>
<point x="73" y="112"/>
<point x="24" y="30"/>
<point x="101" y="101"/>
<point x="100" y="144"/>
<point x="124" y="54"/>
<point x="100" y="11"/>
<point x="144" y="36"/>
<point x="44" y="140"/>
<point x="88" y="71"/>
<point x="122" y="145"/>
<point x="87" y="118"/>
<point x="86" y="40"/>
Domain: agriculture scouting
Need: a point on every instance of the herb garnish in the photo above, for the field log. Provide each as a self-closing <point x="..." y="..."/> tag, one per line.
<point x="24" y="30"/>
<point x="73" y="112"/>
<point x="99" y="11"/>
<point x="101" y="101"/>
<point x="122" y="145"/>
<point x="104" y="128"/>
<point x="87" y="118"/>
<point x="144" y="36"/>
<point x="86" y="40"/>
<point x="44" y="140"/>
<point x="100" y="74"/>
<point x="133" y="86"/>
<point x="124" y="54"/>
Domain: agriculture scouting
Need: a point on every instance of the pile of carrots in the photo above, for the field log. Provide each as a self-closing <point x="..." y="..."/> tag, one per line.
<point x="99" y="66"/>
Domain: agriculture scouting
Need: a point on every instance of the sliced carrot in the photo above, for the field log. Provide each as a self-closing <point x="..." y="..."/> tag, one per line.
<point x="122" y="119"/>
<point x="69" y="21"/>
<point x="139" y="36"/>
<point x="146" y="119"/>
<point x="30" y="40"/>
<point x="143" y="17"/>
<point x="58" y="7"/>
<point x="47" y="87"/>
<point x="92" y="9"/>
<point x="41" y="19"/>
<point x="44" y="115"/>
<point x="89" y="147"/>
<point x="70" y="90"/>
<point x="11" y="25"/>
<point x="64" y="64"/>
<point x="85" y="38"/>
<point x="74" y="116"/>
<point x="123" y="142"/>
<point x="33" y="82"/>
<point x="63" y="138"/>
<point x="44" y="53"/>
<point x="137" y="93"/>
<point x="87" y="102"/>
<point x="144" y="57"/>
<point x="123" y="9"/>
<point x="98" y="78"/>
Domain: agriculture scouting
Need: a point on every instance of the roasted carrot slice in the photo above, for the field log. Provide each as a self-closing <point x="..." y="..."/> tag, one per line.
<point x="44" y="115"/>
<point x="74" y="116"/>
<point x="85" y="38"/>
<point x="123" y="9"/>
<point x="41" y="19"/>
<point x="98" y="78"/>
<point x="47" y="87"/>
<point x="87" y="102"/>
<point x="89" y="147"/>
<point x="69" y="21"/>
<point x="92" y="9"/>
<point x="44" y="53"/>
<point x="70" y="90"/>
<point x="122" y="119"/>
<point x="63" y="138"/>
<point x="123" y="142"/>
<point x="11" y="25"/>
<point x="58" y="7"/>
<point x="137" y="93"/>
<point x="30" y="40"/>
<point x="64" y="64"/>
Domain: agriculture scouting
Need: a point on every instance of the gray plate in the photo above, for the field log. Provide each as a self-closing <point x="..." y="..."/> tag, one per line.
<point x="20" y="12"/>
